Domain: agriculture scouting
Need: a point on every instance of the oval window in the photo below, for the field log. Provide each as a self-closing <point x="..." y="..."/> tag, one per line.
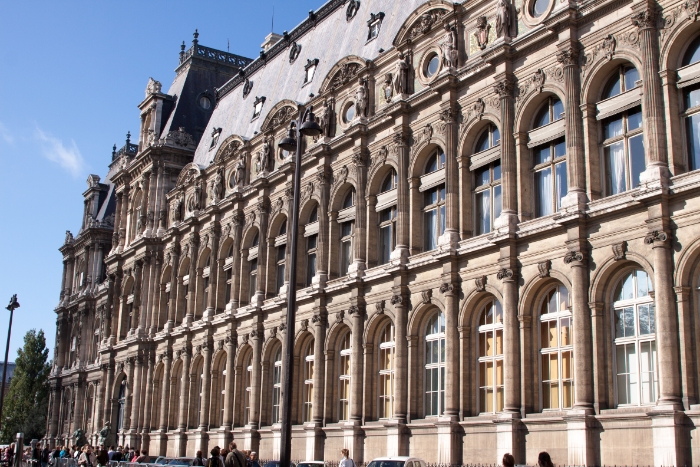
<point x="433" y="64"/>
<point x="539" y="7"/>
<point x="349" y="113"/>
<point x="205" y="102"/>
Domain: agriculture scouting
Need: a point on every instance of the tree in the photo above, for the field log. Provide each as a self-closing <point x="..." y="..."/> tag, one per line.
<point x="27" y="402"/>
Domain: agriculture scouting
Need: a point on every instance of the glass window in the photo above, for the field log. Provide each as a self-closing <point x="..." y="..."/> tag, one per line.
<point x="436" y="161"/>
<point x="624" y="79"/>
<point x="491" y="358"/>
<point x="121" y="404"/>
<point x="227" y="291"/>
<point x="349" y="200"/>
<point x="253" y="284"/>
<point x="487" y="196"/>
<point x="556" y="350"/>
<point x="346" y="255"/>
<point x="635" y="340"/>
<point x="432" y="65"/>
<point x="310" y="259"/>
<point x="344" y="379"/>
<point x="248" y="389"/>
<point x="692" y="55"/>
<point x="390" y="182"/>
<point x="308" y="394"/>
<point x="349" y="113"/>
<point x="281" y="261"/>
<point x="692" y="125"/>
<point x="387" y="347"/>
<point x="435" y="365"/>
<point x="623" y="151"/>
<point x="313" y="216"/>
<point x="550" y="177"/>
<point x="387" y="234"/>
<point x="200" y="393"/>
<point x="488" y="138"/>
<point x="277" y="386"/>
<point x="539" y="7"/>
<point x="222" y="392"/>
<point x="551" y="111"/>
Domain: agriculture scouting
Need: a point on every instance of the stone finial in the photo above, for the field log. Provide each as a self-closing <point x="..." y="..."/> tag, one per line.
<point x="195" y="41"/>
<point x="128" y="139"/>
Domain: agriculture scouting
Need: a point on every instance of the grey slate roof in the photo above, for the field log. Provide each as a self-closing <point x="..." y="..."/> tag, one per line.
<point x="330" y="40"/>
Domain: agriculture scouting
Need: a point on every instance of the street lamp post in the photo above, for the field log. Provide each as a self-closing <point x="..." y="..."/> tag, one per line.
<point x="302" y="126"/>
<point x="12" y="306"/>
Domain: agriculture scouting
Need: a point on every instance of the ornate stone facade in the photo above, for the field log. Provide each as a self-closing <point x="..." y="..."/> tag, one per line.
<point x="498" y="243"/>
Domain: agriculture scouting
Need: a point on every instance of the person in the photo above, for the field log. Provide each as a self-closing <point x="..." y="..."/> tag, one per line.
<point x="117" y="455"/>
<point x="84" y="458"/>
<point x="214" y="460"/>
<point x="102" y="457"/>
<point x="235" y="457"/>
<point x="142" y="458"/>
<point x="253" y="459"/>
<point x="55" y="455"/>
<point x="543" y="460"/>
<point x="346" y="461"/>
<point x="110" y="453"/>
<point x="136" y="455"/>
<point x="45" y="452"/>
<point x="223" y="453"/>
<point x="508" y="460"/>
<point x="65" y="452"/>
<point x="198" y="459"/>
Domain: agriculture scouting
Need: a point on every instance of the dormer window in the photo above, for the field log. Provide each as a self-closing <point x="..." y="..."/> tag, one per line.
<point x="205" y="102"/>
<point x="258" y="105"/>
<point x="215" y="133"/>
<point x="375" y="24"/>
<point x="310" y="70"/>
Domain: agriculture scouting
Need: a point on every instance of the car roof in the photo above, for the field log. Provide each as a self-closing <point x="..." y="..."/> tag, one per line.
<point x="397" y="458"/>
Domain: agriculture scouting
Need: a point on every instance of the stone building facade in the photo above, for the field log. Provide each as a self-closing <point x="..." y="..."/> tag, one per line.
<point x="498" y="246"/>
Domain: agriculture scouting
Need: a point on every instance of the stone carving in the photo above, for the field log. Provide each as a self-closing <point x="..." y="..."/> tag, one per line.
<point x="448" y="46"/>
<point x="644" y="19"/>
<point x="619" y="250"/>
<point x="504" y="88"/>
<point x="353" y="310"/>
<point x="178" y="138"/>
<point x="346" y="73"/>
<point x="537" y="80"/>
<point x="379" y="307"/>
<point x="339" y="316"/>
<point x="307" y="191"/>
<point x="79" y="436"/>
<point x="402" y="74"/>
<point x="544" y="268"/>
<point x="262" y="159"/>
<point x="504" y="273"/>
<point x="352" y="9"/>
<point x="238" y="173"/>
<point x="482" y="32"/>
<point x="388" y="88"/>
<point x="573" y="256"/>
<point x="304" y="324"/>
<point x="447" y="287"/>
<point x="281" y="117"/>
<point x="505" y="20"/>
<point x="476" y="109"/>
<point x="480" y="283"/>
<point x="423" y="136"/>
<point x="69" y="238"/>
<point x="176" y="210"/>
<point x="361" y="98"/>
<point x="294" y="51"/>
<point x="608" y="46"/>
<point x="427" y="295"/>
<point x="325" y="118"/>
<point x="217" y="186"/>
<point x="655" y="236"/>
<point x="396" y="300"/>
<point x="282" y="327"/>
<point x="247" y="87"/>
<point x="568" y="57"/>
<point x="104" y="433"/>
<point x="425" y="23"/>
<point x="153" y="87"/>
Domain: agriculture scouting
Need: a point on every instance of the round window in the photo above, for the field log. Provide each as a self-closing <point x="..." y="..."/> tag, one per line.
<point x="539" y="7"/>
<point x="432" y="65"/>
<point x="349" y="113"/>
<point x="205" y="102"/>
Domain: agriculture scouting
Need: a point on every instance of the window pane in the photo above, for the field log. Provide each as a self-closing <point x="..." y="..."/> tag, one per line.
<point x="557" y="109"/>
<point x="615" y="169"/>
<point x="496" y="136"/>
<point x="613" y="87"/>
<point x="621" y="375"/>
<point x="561" y="183"/>
<point x="482" y="176"/>
<point x="631" y="77"/>
<point x="311" y="268"/>
<point x="385" y="244"/>
<point x="693" y="129"/>
<point x="442" y="220"/>
<point x="634" y="119"/>
<point x="497" y="170"/>
<point x="637" y="160"/>
<point x="497" y="201"/>
<point x="346" y="229"/>
<point x="542" y="154"/>
<point x="430" y="230"/>
<point x="647" y="324"/>
<point x="483" y="212"/>
<point x="483" y="143"/>
<point x="565" y="331"/>
<point x="612" y="127"/>
<point x="559" y="148"/>
<point x="543" y="192"/>
<point x="692" y="98"/>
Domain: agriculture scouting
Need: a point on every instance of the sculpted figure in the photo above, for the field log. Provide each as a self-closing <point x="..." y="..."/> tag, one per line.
<point x="79" y="436"/>
<point x="104" y="433"/>
<point x="449" y="47"/>
<point x="218" y="185"/>
<point x="504" y="19"/>
<point x="197" y="199"/>
<point x="361" y="98"/>
<point x="403" y="68"/>
<point x="239" y="173"/>
<point x="325" y="117"/>
<point x="265" y="155"/>
<point x="177" y="210"/>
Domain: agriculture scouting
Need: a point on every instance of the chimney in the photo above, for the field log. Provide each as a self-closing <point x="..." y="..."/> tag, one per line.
<point x="270" y="40"/>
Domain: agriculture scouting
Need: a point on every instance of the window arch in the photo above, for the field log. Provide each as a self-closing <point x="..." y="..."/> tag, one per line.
<point x="489" y="137"/>
<point x="248" y="387"/>
<point x="491" y="387"/>
<point x="691" y="109"/>
<point x="435" y="365"/>
<point x="277" y="386"/>
<point x="390" y="181"/>
<point x="121" y="405"/>
<point x="549" y="161"/>
<point x="635" y="340"/>
<point x="433" y="187"/>
<point x="349" y="200"/>
<point x="345" y="353"/>
<point x="624" y="79"/>
<point x="435" y="161"/>
<point x="556" y="350"/>
<point x="308" y="389"/>
<point x="551" y="111"/>
<point x="387" y="352"/>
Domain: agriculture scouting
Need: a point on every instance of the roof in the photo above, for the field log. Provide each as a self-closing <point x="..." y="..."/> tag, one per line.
<point x="330" y="40"/>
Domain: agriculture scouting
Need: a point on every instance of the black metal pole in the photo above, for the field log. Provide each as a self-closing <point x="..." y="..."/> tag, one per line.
<point x="4" y="368"/>
<point x="287" y="358"/>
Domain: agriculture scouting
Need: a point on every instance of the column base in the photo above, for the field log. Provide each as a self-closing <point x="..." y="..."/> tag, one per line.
<point x="145" y="441"/>
<point x="132" y="439"/>
<point x="315" y="438"/>
<point x="574" y="200"/>
<point x="200" y="438"/>
<point x="670" y="442"/>
<point x="251" y="438"/>
<point x="505" y="224"/>
<point x="655" y="177"/>
<point x="449" y="240"/>
<point x="319" y="281"/>
<point x="354" y="440"/>
<point x="508" y="437"/>
<point x="356" y="269"/>
<point x="276" y="441"/>
<point x="399" y="256"/>
<point x="583" y="444"/>
<point x="397" y="438"/>
<point x="208" y="314"/>
<point x="449" y="446"/>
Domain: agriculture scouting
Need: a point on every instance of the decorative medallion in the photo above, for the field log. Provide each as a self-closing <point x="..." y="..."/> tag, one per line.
<point x="353" y="7"/>
<point x="247" y="87"/>
<point x="294" y="51"/>
<point x="619" y="250"/>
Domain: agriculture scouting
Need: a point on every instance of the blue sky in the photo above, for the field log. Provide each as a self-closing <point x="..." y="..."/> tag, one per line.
<point x="71" y="77"/>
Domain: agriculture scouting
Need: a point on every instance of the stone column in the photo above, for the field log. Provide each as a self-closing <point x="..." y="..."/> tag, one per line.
<point x="509" y="169"/>
<point x="106" y="321"/>
<point x="117" y="221"/>
<point x="55" y="414"/>
<point x="165" y="395"/>
<point x="213" y="276"/>
<point x="116" y="307"/>
<point x="322" y="238"/>
<point x="108" y="399"/>
<point x="397" y="438"/>
<point x="136" y="306"/>
<point x="448" y="117"/>
<point x="228" y="388"/>
<point x="238" y="220"/>
<point x="100" y="394"/>
<point x="575" y="155"/>
<point x="684" y="296"/>
<point x="206" y="387"/>
<point x="145" y="295"/>
<point x="152" y="185"/>
<point x="154" y="294"/>
<point x="143" y="218"/>
<point x="403" y="206"/>
<point x="146" y="410"/>
<point x="192" y="296"/>
<point x="314" y="429"/>
<point x="161" y="206"/>
<point x="256" y="339"/>
<point x="353" y="434"/>
<point x="174" y="286"/>
<point x="183" y="414"/>
<point x="131" y="389"/>
<point x="359" y="264"/>
<point x="123" y="218"/>
<point x="451" y="292"/>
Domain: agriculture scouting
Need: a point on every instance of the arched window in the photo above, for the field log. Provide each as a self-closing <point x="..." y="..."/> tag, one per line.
<point x="221" y="390"/>
<point x="347" y="229"/>
<point x="692" y="108"/>
<point x="248" y="389"/>
<point x="344" y="378"/>
<point x="311" y="243"/>
<point x="349" y="200"/>
<point x="253" y="260"/>
<point x="550" y="112"/>
<point x="121" y="405"/>
<point x="387" y="346"/>
<point x="435" y="365"/>
<point x="622" y="135"/>
<point x="387" y="220"/>
<point x="308" y="393"/>
<point x="390" y="182"/>
<point x="488" y="138"/>
<point x="281" y="257"/>
<point x="550" y="177"/>
<point x="491" y="358"/>
<point x="313" y="216"/>
<point x="635" y="340"/>
<point x="434" y="199"/>
<point x="277" y="386"/>
<point x="205" y="284"/>
<point x="487" y="196"/>
<point x="556" y="350"/>
<point x="199" y="382"/>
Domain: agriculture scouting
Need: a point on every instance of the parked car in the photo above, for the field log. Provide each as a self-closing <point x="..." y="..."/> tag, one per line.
<point x="162" y="460"/>
<point x="188" y="461"/>
<point x="311" y="464"/>
<point x="277" y="464"/>
<point x="399" y="461"/>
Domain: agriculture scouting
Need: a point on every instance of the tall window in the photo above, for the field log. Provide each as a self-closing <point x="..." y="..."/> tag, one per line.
<point x="346" y="234"/>
<point x="200" y="394"/>
<point x="121" y="404"/>
<point x="387" y="221"/>
<point x="387" y="347"/>
<point x="487" y="196"/>
<point x="221" y="391"/>
<point x="277" y="386"/>
<point x="229" y="275"/>
<point x="550" y="112"/>
<point x="248" y="389"/>
<point x="253" y="284"/>
<point x="344" y="376"/>
<point x="623" y="139"/>
<point x="281" y="258"/>
<point x="692" y="109"/>
<point x="635" y="340"/>
<point x="205" y="288"/>
<point x="308" y="395"/>
<point x="550" y="177"/>
<point x="435" y="365"/>
<point x="556" y="350"/>
<point x="311" y="242"/>
<point x="491" y="358"/>
<point x="434" y="202"/>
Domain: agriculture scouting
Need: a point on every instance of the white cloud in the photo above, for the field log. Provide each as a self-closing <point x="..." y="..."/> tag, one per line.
<point x="68" y="157"/>
<point x="5" y="134"/>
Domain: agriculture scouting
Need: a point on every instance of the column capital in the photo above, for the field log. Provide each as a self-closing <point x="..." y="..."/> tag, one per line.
<point x="504" y="88"/>
<point x="506" y="274"/>
<point x="449" y="288"/>
<point x="568" y="56"/>
<point x="656" y="237"/>
<point x="644" y="19"/>
<point x="574" y="258"/>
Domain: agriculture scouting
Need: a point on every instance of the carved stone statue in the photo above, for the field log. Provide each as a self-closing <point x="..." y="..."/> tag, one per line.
<point x="239" y="172"/>
<point x="79" y="436"/>
<point x="104" y="433"/>
<point x="403" y="70"/>
<point x="197" y="198"/>
<point x="177" y="210"/>
<point x="265" y="155"/>
<point x="388" y="88"/>
<point x="505" y="19"/>
<point x="449" y="47"/>
<point x="217" y="186"/>
<point x="325" y="118"/>
<point x="361" y="98"/>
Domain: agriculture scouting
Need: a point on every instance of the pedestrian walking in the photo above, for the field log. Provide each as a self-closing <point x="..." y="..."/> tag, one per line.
<point x="198" y="460"/>
<point x="143" y="458"/>
<point x="215" y="460"/>
<point x="234" y="458"/>
<point x="508" y="460"/>
<point x="253" y="459"/>
<point x="346" y="461"/>
<point x="543" y="460"/>
<point x="84" y="457"/>
<point x="102" y="457"/>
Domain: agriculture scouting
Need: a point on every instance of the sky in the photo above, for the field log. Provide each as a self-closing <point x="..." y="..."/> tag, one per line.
<point x="71" y="76"/>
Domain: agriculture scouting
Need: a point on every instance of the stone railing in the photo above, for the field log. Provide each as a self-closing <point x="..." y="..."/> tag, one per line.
<point x="216" y="55"/>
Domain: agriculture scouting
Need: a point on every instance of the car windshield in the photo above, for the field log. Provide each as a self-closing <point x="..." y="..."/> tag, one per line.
<point x="162" y="461"/>
<point x="180" y="462"/>
<point x="308" y="464"/>
<point x="386" y="464"/>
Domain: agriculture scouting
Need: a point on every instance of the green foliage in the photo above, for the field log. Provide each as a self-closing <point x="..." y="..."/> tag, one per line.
<point x="27" y="402"/>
